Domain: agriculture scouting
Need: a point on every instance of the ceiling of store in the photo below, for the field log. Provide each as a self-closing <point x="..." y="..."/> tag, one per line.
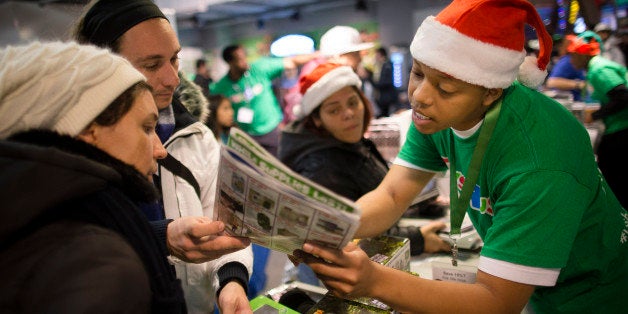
<point x="205" y="12"/>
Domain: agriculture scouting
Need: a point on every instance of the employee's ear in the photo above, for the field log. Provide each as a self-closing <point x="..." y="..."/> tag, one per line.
<point x="88" y="134"/>
<point x="491" y="95"/>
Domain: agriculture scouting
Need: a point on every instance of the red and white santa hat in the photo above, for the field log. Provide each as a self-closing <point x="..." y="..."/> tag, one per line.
<point x="321" y="83"/>
<point x="482" y="42"/>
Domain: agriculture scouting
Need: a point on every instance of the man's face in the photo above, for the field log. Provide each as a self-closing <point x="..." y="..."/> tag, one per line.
<point x="440" y="101"/>
<point x="152" y="47"/>
<point x="351" y="59"/>
<point x="579" y="61"/>
<point x="239" y="63"/>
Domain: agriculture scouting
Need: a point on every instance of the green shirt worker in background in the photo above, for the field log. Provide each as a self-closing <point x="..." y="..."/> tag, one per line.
<point x="522" y="168"/>
<point x="608" y="80"/>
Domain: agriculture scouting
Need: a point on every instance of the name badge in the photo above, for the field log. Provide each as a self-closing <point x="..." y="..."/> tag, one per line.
<point x="245" y="115"/>
<point x="446" y="272"/>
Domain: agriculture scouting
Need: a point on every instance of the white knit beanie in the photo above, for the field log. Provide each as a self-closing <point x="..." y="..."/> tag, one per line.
<point x="59" y="86"/>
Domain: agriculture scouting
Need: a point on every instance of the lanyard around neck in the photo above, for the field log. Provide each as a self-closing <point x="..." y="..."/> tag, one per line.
<point x="459" y="203"/>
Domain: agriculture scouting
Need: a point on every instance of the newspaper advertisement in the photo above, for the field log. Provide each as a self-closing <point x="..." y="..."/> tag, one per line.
<point x="260" y="198"/>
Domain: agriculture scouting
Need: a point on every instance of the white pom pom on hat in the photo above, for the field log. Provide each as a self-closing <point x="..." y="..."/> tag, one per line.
<point x="59" y="86"/>
<point x="322" y="82"/>
<point x="482" y="42"/>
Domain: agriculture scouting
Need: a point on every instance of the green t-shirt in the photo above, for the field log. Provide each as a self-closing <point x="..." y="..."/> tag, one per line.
<point x="604" y="75"/>
<point x="540" y="201"/>
<point x="254" y="91"/>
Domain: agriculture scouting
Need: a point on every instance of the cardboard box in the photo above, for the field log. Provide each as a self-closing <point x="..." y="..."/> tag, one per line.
<point x="265" y="305"/>
<point x="387" y="250"/>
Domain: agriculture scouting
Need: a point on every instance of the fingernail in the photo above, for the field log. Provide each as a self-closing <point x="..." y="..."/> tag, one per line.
<point x="307" y="247"/>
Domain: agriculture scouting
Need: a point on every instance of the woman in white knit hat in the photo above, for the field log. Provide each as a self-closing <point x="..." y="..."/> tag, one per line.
<point x="77" y="149"/>
<point x="327" y="145"/>
<point x="522" y="168"/>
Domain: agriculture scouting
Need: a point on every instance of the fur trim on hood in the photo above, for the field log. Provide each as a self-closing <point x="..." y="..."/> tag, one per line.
<point x="192" y="98"/>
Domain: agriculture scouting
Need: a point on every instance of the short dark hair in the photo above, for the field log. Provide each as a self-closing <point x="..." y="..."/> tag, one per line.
<point x="382" y="51"/>
<point x="200" y="63"/>
<point x="227" y="53"/>
<point x="121" y="105"/>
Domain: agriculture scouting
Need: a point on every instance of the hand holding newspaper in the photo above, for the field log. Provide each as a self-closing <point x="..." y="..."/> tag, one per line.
<point x="260" y="198"/>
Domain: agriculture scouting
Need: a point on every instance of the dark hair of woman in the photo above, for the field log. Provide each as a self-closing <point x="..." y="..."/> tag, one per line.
<point x="121" y="105"/>
<point x="309" y="120"/>
<point x="212" y="120"/>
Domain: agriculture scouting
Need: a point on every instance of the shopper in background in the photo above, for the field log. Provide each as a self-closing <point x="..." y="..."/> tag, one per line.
<point x="249" y="88"/>
<point x="202" y="77"/>
<point x="565" y="77"/>
<point x="77" y="151"/>
<point x="368" y="88"/>
<point x="610" y="47"/>
<point x="326" y="144"/>
<point x="217" y="267"/>
<point x="608" y="80"/>
<point x="220" y="118"/>
<point x="554" y="234"/>
<point x="340" y="44"/>
<point x="387" y="94"/>
<point x="622" y="34"/>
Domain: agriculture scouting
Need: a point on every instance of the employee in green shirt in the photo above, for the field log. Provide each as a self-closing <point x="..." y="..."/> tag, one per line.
<point x="522" y="167"/>
<point x="249" y="88"/>
<point x="608" y="80"/>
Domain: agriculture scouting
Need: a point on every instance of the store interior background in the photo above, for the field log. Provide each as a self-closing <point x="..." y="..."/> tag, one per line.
<point x="205" y="27"/>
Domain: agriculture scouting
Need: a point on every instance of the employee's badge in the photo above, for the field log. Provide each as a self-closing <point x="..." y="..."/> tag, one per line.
<point x="245" y="115"/>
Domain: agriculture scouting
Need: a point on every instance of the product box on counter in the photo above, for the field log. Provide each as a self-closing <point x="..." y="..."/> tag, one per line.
<point x="390" y="251"/>
<point x="265" y="305"/>
<point x="331" y="304"/>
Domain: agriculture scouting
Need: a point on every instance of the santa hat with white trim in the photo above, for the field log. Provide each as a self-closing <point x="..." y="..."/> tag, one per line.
<point x="482" y="42"/>
<point x="322" y="82"/>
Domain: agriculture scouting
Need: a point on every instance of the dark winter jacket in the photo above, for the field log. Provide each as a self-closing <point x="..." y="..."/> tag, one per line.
<point x="72" y="239"/>
<point x="350" y="170"/>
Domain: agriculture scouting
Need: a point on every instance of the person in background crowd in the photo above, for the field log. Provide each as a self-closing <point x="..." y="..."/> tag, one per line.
<point x="249" y="88"/>
<point x="202" y="77"/>
<point x="220" y="118"/>
<point x="387" y="94"/>
<point x="340" y="44"/>
<point x="564" y="76"/>
<point x="610" y="44"/>
<point x="522" y="168"/>
<point x="368" y="88"/>
<point x="214" y="268"/>
<point x="623" y="41"/>
<point x="608" y="80"/>
<point x="77" y="152"/>
<point x="326" y="144"/>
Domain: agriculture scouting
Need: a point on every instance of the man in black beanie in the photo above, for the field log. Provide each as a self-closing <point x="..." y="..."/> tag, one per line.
<point x="216" y="267"/>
